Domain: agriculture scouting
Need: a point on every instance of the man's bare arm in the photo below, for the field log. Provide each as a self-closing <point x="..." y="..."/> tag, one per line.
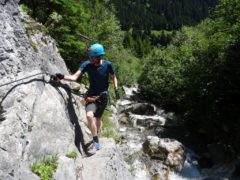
<point x="72" y="77"/>
<point x="115" y="81"/>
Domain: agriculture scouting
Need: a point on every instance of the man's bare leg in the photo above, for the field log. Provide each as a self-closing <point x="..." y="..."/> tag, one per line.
<point x="92" y="126"/>
<point x="91" y="123"/>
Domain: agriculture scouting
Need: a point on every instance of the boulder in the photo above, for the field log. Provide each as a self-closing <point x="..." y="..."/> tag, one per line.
<point x="136" y="108"/>
<point x="123" y="120"/>
<point x="170" y="151"/>
<point x="130" y="92"/>
<point x="146" y="121"/>
<point x="143" y="109"/>
<point x="124" y="106"/>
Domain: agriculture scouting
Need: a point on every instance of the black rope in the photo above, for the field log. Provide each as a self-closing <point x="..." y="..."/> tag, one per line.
<point x="22" y="79"/>
<point x="52" y="77"/>
<point x="12" y="88"/>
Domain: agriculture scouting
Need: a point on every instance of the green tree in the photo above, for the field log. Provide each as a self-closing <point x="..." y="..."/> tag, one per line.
<point x="69" y="21"/>
<point x="198" y="75"/>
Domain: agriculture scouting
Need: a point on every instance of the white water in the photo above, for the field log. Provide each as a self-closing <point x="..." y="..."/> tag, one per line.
<point x="133" y="143"/>
<point x="190" y="170"/>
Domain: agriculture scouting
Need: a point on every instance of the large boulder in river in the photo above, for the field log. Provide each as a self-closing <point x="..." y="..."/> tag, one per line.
<point x="143" y="109"/>
<point x="127" y="106"/>
<point x="130" y="92"/>
<point x="170" y="151"/>
<point x="146" y="121"/>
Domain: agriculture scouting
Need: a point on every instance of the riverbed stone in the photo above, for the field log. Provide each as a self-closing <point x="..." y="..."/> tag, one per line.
<point x="170" y="151"/>
<point x="146" y="121"/>
<point x="130" y="92"/>
<point x="136" y="108"/>
<point x="143" y="109"/>
<point x="124" y="120"/>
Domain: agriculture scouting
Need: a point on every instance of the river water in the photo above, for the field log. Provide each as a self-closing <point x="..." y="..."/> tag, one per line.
<point x="131" y="138"/>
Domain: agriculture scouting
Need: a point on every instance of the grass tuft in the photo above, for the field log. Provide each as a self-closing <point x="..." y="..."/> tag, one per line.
<point x="45" y="168"/>
<point x="72" y="155"/>
<point x="108" y="128"/>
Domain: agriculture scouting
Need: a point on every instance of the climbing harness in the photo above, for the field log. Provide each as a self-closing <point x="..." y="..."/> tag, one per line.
<point x="99" y="98"/>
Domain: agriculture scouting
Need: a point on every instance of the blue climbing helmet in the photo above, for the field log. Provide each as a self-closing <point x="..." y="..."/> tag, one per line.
<point x="96" y="50"/>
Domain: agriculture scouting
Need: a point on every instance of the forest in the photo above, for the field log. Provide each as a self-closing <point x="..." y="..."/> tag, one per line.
<point x="184" y="54"/>
<point x="164" y="14"/>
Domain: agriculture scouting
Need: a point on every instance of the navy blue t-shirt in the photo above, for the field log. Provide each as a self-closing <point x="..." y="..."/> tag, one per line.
<point x="97" y="75"/>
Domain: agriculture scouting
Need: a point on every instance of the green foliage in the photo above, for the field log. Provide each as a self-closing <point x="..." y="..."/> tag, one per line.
<point x="132" y="169"/>
<point x="128" y="68"/>
<point x="138" y="41"/>
<point x="164" y="14"/>
<point x="34" y="46"/>
<point x="198" y="75"/>
<point x="72" y="155"/>
<point x="108" y="129"/>
<point x="45" y="168"/>
<point x="141" y="42"/>
<point x="69" y="21"/>
<point x="26" y="9"/>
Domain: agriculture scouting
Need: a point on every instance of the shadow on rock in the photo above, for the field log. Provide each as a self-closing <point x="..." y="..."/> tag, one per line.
<point x="79" y="138"/>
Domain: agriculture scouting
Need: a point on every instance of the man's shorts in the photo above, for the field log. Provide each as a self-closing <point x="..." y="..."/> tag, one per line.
<point x="97" y="107"/>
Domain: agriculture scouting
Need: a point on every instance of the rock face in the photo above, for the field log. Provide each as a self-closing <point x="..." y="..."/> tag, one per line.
<point x="38" y="117"/>
<point x="107" y="164"/>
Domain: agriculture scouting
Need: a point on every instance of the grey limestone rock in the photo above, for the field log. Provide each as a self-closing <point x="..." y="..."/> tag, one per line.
<point x="106" y="164"/>
<point x="40" y="118"/>
<point x="170" y="151"/>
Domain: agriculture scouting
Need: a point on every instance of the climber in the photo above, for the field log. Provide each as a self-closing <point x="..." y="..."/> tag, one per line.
<point x="97" y="96"/>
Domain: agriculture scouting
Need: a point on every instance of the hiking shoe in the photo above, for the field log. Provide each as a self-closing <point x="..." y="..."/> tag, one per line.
<point x="97" y="145"/>
<point x="93" y="148"/>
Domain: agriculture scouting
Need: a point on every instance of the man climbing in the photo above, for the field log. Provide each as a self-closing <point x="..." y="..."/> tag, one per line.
<point x="97" y="96"/>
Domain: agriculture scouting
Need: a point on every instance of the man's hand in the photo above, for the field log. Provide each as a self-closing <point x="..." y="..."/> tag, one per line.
<point x="117" y="93"/>
<point x="59" y="76"/>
